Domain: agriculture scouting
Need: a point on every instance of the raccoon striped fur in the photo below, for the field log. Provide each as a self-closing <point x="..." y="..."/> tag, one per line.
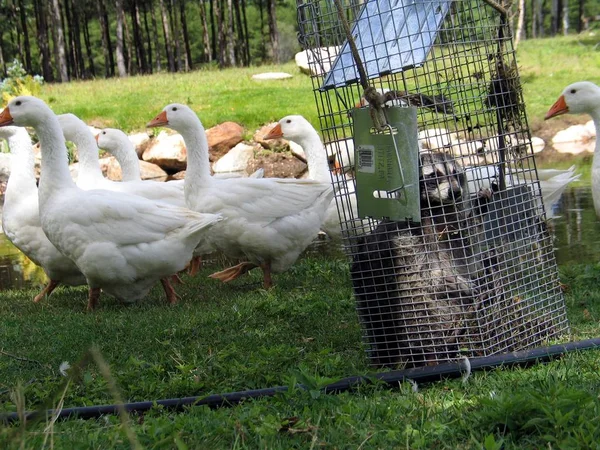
<point x="415" y="283"/>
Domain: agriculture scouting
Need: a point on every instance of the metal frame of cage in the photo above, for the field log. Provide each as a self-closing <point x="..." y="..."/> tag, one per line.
<point x="475" y="276"/>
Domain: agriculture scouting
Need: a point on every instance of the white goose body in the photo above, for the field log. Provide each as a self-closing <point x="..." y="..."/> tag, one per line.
<point x="268" y="221"/>
<point x="583" y="97"/>
<point x="296" y="128"/>
<point x="123" y="244"/>
<point x="21" y="217"/>
<point x="90" y="175"/>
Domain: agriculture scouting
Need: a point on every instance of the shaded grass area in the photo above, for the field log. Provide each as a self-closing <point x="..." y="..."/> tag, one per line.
<point x="235" y="337"/>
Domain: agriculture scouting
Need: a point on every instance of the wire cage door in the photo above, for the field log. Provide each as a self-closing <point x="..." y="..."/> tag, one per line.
<point x="476" y="274"/>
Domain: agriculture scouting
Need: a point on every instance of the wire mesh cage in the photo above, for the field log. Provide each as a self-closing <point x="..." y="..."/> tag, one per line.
<point x="471" y="272"/>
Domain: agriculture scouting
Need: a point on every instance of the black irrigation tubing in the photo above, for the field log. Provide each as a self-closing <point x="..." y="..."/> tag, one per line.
<point x="392" y="378"/>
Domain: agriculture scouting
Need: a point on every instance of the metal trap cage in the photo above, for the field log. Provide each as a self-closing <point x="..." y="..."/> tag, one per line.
<point x="440" y="204"/>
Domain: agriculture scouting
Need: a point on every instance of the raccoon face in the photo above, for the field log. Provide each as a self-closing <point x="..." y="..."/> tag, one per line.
<point x="441" y="179"/>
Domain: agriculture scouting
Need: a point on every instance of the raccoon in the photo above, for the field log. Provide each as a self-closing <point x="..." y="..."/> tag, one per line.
<point x="414" y="283"/>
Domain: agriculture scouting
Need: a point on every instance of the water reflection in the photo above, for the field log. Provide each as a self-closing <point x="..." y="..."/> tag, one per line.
<point x="576" y="233"/>
<point x="577" y="230"/>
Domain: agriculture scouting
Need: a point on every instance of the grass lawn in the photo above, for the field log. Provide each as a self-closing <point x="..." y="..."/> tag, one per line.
<point x="236" y="337"/>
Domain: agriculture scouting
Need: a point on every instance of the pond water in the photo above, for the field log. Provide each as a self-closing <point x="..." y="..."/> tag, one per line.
<point x="576" y="232"/>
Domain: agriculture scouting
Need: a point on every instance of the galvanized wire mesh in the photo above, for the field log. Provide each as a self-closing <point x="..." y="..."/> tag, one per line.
<point x="477" y="275"/>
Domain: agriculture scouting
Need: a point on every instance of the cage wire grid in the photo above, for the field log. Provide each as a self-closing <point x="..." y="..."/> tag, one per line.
<point x="477" y="275"/>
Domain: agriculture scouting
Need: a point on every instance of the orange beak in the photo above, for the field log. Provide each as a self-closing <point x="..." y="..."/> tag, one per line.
<point x="159" y="121"/>
<point x="5" y="117"/>
<point x="275" y="133"/>
<point x="97" y="136"/>
<point x="560" y="107"/>
<point x="337" y="168"/>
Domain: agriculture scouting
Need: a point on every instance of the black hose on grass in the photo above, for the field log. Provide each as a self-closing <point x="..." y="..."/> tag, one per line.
<point x="420" y="375"/>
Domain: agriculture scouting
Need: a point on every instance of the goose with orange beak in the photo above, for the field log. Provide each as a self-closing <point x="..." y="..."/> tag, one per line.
<point x="583" y="98"/>
<point x="299" y="130"/>
<point x="21" y="215"/>
<point x="268" y="221"/>
<point x="123" y="244"/>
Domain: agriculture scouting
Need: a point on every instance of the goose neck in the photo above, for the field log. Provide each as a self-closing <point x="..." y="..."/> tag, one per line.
<point x="196" y="143"/>
<point x="130" y="165"/>
<point x="55" y="173"/>
<point x="318" y="169"/>
<point x="22" y="151"/>
<point x="87" y="150"/>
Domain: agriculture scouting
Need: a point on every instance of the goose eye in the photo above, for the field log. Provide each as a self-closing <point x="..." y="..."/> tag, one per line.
<point x="288" y="121"/>
<point x="174" y="108"/>
<point x="18" y="103"/>
<point x="573" y="91"/>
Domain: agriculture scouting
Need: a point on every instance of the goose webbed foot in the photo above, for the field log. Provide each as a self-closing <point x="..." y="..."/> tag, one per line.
<point x="195" y="265"/>
<point x="94" y="295"/>
<point x="172" y="296"/>
<point x="46" y="291"/>
<point x="234" y="272"/>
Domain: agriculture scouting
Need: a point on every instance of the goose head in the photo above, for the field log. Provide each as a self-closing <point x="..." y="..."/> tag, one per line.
<point x="577" y="98"/>
<point x="72" y="126"/>
<point x="112" y="140"/>
<point x="293" y="128"/>
<point x="175" y="116"/>
<point x="8" y="131"/>
<point x="25" y="111"/>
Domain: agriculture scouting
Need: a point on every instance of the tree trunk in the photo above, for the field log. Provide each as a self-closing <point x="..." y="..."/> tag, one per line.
<point x="2" y="61"/>
<point x="565" y="17"/>
<point x="186" y="37"/>
<point x="241" y="41"/>
<point x="167" y="33"/>
<point x="520" y="20"/>
<point x="109" y="62"/>
<point x="42" y="39"/>
<point x="230" y="35"/>
<point x="26" y="44"/>
<point x="580" y="13"/>
<point x="263" y="47"/>
<point x="88" y="46"/>
<point x="128" y="44"/>
<point x="540" y="18"/>
<point x="273" y="33"/>
<point x="213" y="31"/>
<point x="147" y="39"/>
<point x="16" y="30"/>
<point x="138" y="42"/>
<point x="219" y="13"/>
<point x="121" y="67"/>
<point x="155" y="33"/>
<point x="59" y="42"/>
<point x="246" y="34"/>
<point x="176" y="35"/>
<point x="205" y="38"/>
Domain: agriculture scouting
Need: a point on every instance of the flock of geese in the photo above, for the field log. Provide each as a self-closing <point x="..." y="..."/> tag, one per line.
<point x="121" y="238"/>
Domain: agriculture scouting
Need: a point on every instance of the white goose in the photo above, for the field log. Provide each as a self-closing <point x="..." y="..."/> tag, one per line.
<point x="21" y="216"/>
<point x="123" y="244"/>
<point x="583" y="97"/>
<point x="269" y="221"/>
<point x="296" y="128"/>
<point x="118" y="144"/>
<point x="90" y="175"/>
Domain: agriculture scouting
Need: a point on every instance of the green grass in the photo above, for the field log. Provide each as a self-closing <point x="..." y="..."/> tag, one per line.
<point x="547" y="66"/>
<point x="236" y="337"/>
<point x="217" y="96"/>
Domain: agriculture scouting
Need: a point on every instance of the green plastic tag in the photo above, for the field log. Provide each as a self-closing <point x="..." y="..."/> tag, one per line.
<point x="387" y="175"/>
